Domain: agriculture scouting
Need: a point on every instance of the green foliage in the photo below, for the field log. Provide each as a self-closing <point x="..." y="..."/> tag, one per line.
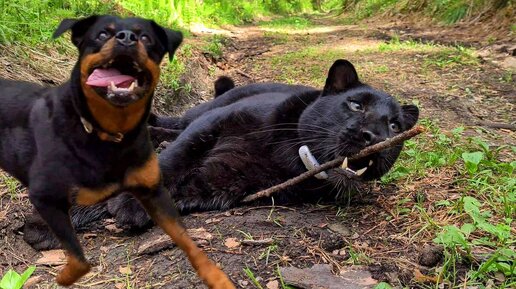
<point x="488" y="202"/>
<point x="13" y="280"/>
<point x="214" y="47"/>
<point x="447" y="11"/>
<point x="382" y="285"/>
<point x="34" y="22"/>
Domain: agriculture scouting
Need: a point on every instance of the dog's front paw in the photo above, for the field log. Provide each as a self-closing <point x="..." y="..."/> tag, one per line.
<point x="38" y="235"/>
<point x="127" y="211"/>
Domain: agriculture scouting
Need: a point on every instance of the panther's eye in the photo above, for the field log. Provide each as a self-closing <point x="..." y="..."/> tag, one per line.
<point x="145" y="38"/>
<point x="395" y="127"/>
<point x="103" y="35"/>
<point x="355" y="106"/>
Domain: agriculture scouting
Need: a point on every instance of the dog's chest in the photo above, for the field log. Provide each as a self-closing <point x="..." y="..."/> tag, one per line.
<point x="146" y="176"/>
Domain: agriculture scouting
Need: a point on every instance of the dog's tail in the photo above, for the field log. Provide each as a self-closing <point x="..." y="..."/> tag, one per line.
<point x="222" y="85"/>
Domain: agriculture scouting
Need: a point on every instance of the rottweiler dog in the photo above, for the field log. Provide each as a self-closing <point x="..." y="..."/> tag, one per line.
<point x="87" y="140"/>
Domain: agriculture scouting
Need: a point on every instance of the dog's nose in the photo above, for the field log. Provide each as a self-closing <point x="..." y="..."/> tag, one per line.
<point x="126" y="38"/>
<point x="369" y="137"/>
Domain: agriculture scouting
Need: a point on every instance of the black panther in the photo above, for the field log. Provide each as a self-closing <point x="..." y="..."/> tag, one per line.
<point x="251" y="138"/>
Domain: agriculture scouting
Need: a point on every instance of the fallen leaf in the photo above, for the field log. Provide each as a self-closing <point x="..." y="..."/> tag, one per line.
<point x="113" y="228"/>
<point x="125" y="270"/>
<point x="213" y="220"/>
<point x="52" y="258"/>
<point x="200" y="234"/>
<point x="422" y="278"/>
<point x="89" y="235"/>
<point x="3" y="214"/>
<point x="34" y="280"/>
<point x="119" y="285"/>
<point x="274" y="284"/>
<point x="231" y="243"/>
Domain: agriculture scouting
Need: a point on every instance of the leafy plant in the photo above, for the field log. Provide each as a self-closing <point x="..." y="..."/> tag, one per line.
<point x="13" y="280"/>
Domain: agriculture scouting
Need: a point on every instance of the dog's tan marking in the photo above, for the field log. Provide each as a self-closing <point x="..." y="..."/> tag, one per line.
<point x="147" y="176"/>
<point x="88" y="196"/>
<point x="111" y="118"/>
<point x="73" y="270"/>
<point x="207" y="271"/>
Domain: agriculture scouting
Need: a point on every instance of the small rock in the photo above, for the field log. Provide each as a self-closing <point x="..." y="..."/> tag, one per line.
<point x="430" y="255"/>
<point x="125" y="270"/>
<point x="340" y="228"/>
<point x="274" y="284"/>
<point x="243" y="283"/>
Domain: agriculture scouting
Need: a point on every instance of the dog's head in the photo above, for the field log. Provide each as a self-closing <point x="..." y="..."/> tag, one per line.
<point x="119" y="58"/>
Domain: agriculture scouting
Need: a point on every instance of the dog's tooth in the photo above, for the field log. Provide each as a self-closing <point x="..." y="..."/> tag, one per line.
<point x="361" y="171"/>
<point x="135" y="83"/>
<point x="344" y="164"/>
<point x="370" y="162"/>
<point x="112" y="86"/>
<point x="131" y="88"/>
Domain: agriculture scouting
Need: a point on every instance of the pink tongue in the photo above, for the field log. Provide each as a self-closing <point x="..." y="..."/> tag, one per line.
<point x="103" y="78"/>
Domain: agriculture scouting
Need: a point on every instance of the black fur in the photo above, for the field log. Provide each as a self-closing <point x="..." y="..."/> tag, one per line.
<point x="222" y="85"/>
<point x="248" y="138"/>
<point x="46" y="147"/>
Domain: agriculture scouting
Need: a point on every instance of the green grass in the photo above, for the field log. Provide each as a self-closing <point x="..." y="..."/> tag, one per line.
<point x="33" y="22"/>
<point x="487" y="206"/>
<point x="446" y="11"/>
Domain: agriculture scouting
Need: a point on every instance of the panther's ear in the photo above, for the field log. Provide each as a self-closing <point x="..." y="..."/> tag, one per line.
<point x="79" y="28"/>
<point x="170" y="39"/>
<point x="410" y="115"/>
<point x="341" y="77"/>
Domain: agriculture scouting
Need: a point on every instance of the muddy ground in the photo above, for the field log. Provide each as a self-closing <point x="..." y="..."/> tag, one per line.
<point x="369" y="230"/>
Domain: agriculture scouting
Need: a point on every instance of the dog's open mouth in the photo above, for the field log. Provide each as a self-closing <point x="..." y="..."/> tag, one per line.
<point x="121" y="80"/>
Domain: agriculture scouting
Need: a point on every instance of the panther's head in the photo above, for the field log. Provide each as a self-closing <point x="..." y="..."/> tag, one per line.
<point x="349" y="116"/>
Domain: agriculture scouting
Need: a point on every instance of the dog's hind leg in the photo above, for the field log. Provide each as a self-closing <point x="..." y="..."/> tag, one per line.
<point x="54" y="211"/>
<point x="161" y="208"/>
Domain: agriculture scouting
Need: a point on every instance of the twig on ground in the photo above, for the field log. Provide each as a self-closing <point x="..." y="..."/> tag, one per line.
<point x="336" y="162"/>
<point x="266" y="241"/>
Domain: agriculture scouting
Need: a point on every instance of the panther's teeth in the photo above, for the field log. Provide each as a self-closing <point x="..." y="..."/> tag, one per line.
<point x="112" y="86"/>
<point x="370" y="162"/>
<point x="344" y="164"/>
<point x="131" y="88"/>
<point x="361" y="171"/>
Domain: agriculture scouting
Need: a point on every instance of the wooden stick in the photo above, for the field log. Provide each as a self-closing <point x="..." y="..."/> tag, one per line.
<point x="337" y="162"/>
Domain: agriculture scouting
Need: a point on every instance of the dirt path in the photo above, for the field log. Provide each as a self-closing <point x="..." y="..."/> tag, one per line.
<point x="452" y="86"/>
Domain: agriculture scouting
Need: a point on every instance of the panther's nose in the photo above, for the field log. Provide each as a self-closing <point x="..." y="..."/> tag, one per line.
<point x="370" y="138"/>
<point x="126" y="38"/>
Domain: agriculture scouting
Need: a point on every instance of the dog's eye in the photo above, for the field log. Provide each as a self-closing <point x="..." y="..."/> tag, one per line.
<point x="145" y="38"/>
<point x="103" y="36"/>
<point x="395" y="127"/>
<point x="355" y="106"/>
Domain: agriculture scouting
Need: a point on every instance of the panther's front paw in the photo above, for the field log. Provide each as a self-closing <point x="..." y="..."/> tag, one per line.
<point x="127" y="211"/>
<point x="38" y="235"/>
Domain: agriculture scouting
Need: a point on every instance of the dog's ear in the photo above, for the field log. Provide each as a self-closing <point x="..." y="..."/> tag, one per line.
<point x="170" y="39"/>
<point x="410" y="115"/>
<point x="78" y="27"/>
<point x="341" y="77"/>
